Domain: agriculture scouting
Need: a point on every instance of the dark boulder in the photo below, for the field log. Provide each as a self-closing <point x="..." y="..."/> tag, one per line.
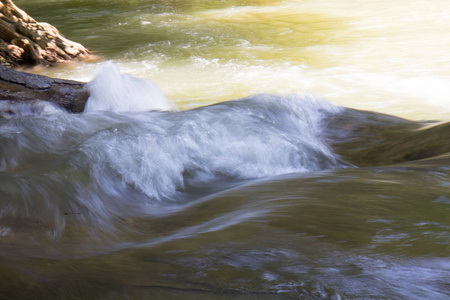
<point x="21" y="86"/>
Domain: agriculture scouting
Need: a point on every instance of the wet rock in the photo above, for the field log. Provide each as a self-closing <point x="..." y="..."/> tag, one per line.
<point x="21" y="86"/>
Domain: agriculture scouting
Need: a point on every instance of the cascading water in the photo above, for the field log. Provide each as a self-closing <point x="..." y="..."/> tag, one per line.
<point x="110" y="165"/>
<point x="250" y="186"/>
<point x="263" y="197"/>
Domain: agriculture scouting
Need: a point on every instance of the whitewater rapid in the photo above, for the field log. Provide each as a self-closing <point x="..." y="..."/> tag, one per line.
<point x="139" y="155"/>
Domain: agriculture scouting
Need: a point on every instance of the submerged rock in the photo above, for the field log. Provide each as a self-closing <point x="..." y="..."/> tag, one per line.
<point x="373" y="139"/>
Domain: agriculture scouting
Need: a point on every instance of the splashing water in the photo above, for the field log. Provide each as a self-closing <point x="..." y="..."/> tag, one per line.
<point x="245" y="199"/>
<point x="112" y="91"/>
<point x="128" y="162"/>
<point x="11" y="109"/>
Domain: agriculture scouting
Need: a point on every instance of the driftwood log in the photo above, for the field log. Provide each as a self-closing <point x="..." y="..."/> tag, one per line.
<point x="23" y="41"/>
<point x="21" y="86"/>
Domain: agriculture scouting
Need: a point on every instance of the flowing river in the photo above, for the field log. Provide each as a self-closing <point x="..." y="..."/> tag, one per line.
<point x="253" y="149"/>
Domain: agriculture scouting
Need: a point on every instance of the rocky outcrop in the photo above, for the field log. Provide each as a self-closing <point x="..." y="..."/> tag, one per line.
<point x="23" y="41"/>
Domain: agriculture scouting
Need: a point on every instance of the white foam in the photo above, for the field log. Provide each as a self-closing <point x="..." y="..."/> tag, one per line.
<point x="90" y="168"/>
<point x="255" y="137"/>
<point x="6" y="231"/>
<point x="112" y="91"/>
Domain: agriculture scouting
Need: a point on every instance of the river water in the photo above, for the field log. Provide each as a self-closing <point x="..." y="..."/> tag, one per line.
<point x="235" y="149"/>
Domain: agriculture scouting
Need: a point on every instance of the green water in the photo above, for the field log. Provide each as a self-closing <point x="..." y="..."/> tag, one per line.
<point x="356" y="54"/>
<point x="270" y="197"/>
<point x="176" y="31"/>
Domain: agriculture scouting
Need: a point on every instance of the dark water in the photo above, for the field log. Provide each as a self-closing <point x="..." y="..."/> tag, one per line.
<point x="262" y="197"/>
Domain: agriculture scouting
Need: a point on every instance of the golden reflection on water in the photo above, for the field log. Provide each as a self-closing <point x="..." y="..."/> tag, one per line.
<point x="387" y="57"/>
